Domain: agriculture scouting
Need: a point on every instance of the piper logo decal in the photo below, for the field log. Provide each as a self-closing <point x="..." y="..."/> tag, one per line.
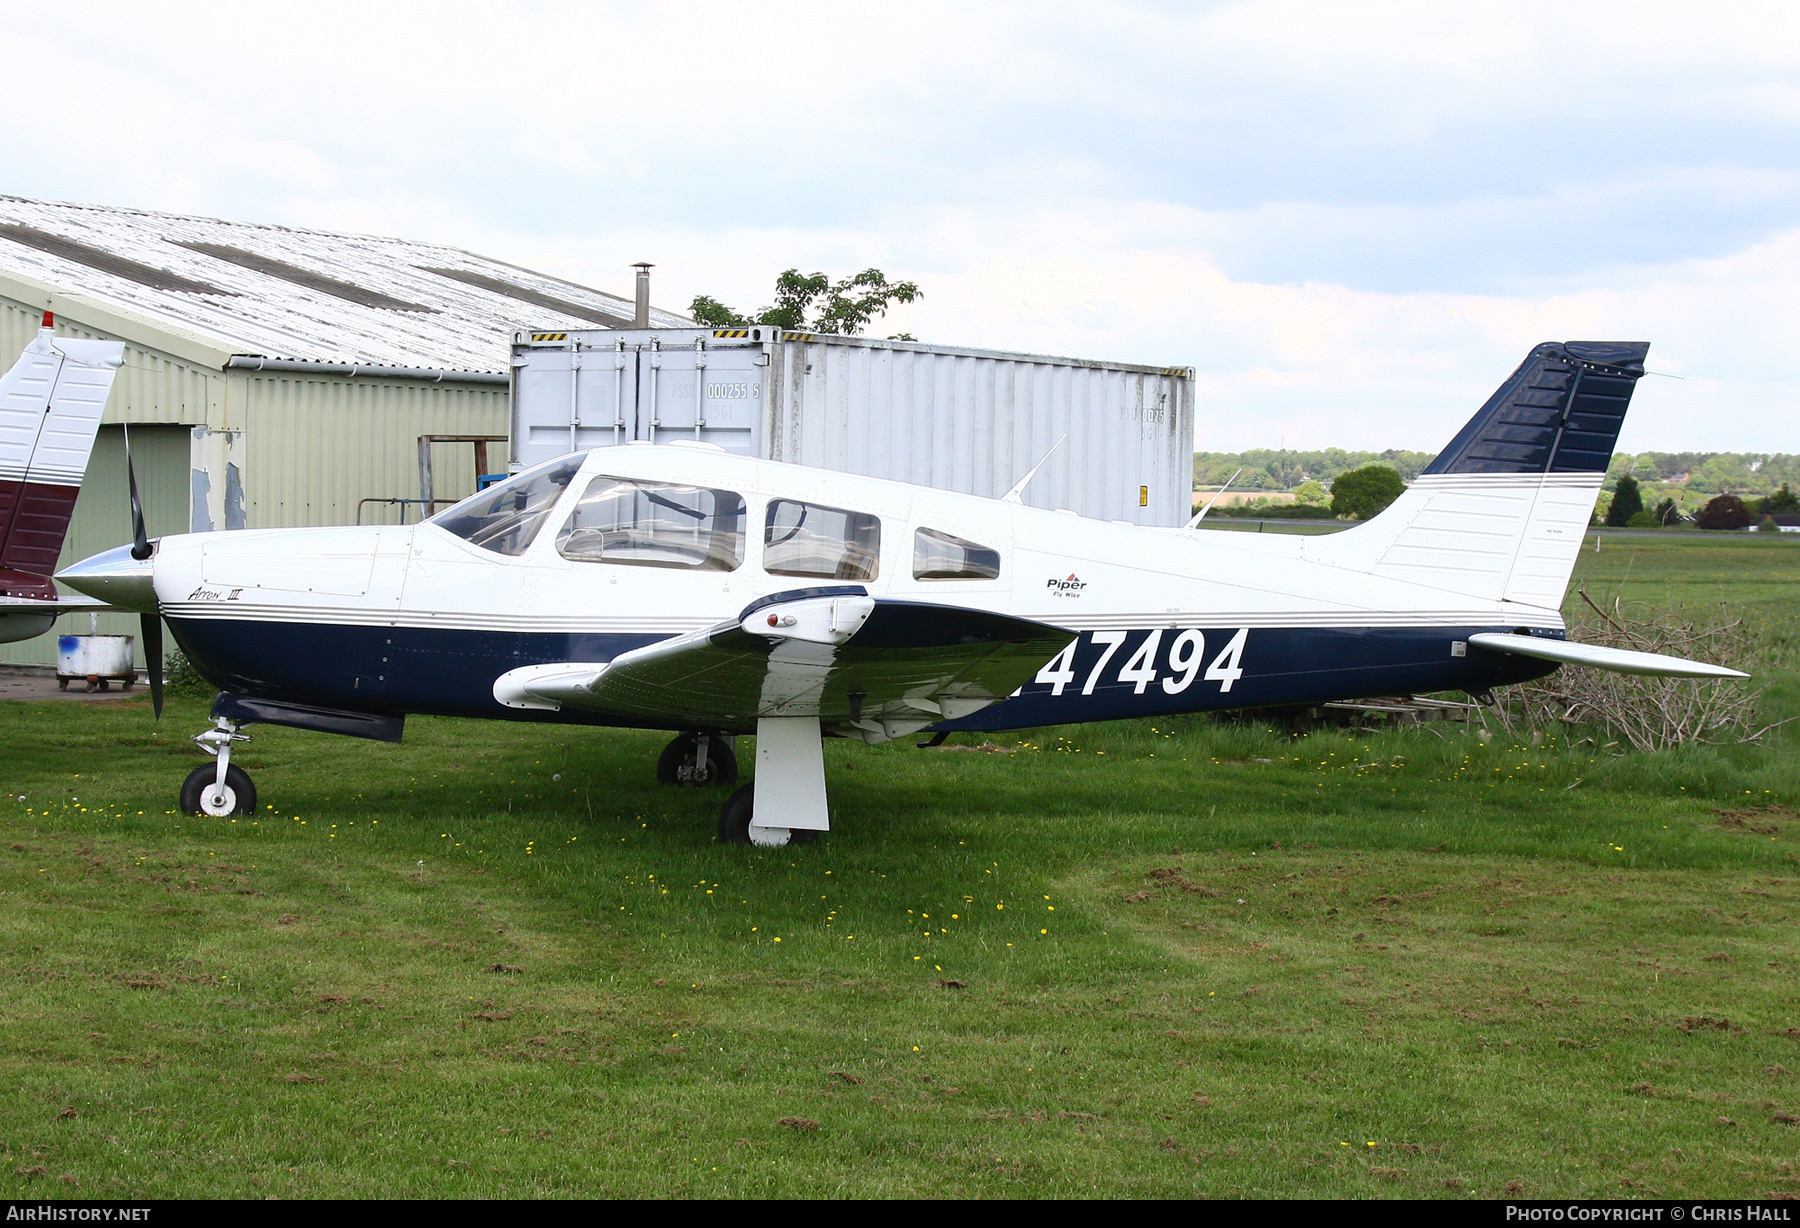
<point x="1066" y="588"/>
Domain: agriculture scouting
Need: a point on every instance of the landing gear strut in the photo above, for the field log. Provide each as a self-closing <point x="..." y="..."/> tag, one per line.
<point x="218" y="789"/>
<point x="697" y="760"/>
<point x="785" y="804"/>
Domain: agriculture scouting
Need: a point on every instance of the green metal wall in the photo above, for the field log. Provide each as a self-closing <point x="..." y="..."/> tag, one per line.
<point x="102" y="519"/>
<point x="152" y="386"/>
<point x="316" y="446"/>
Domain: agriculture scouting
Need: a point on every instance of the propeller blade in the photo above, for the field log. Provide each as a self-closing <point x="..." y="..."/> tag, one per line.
<point x="140" y="540"/>
<point x="151" y="625"/>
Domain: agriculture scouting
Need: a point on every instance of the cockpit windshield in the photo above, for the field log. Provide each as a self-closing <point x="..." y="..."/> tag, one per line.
<point x="505" y="518"/>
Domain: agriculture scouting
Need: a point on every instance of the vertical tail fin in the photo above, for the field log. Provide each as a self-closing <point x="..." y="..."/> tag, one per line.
<point x="1501" y="512"/>
<point x="50" y="407"/>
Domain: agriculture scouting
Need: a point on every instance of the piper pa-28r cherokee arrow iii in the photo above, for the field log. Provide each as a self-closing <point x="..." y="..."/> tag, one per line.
<point x="682" y="587"/>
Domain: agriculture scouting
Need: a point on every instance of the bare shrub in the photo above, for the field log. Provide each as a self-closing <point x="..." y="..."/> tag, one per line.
<point x="1649" y="713"/>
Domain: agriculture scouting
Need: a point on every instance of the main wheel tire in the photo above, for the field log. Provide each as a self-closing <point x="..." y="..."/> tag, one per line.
<point x="738" y="812"/>
<point x="734" y="816"/>
<point x="675" y="766"/>
<point x="200" y="796"/>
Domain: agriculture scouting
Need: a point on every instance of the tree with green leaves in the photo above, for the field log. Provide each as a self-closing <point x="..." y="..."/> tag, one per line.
<point x="1312" y="492"/>
<point x="1627" y="501"/>
<point x="816" y="304"/>
<point x="1783" y="500"/>
<point x="1724" y="513"/>
<point x="1362" y="493"/>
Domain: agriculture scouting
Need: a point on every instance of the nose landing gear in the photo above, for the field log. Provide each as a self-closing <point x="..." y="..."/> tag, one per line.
<point x="698" y="760"/>
<point x="218" y="789"/>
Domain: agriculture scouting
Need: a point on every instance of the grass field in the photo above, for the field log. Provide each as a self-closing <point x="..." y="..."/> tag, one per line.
<point x="1160" y="959"/>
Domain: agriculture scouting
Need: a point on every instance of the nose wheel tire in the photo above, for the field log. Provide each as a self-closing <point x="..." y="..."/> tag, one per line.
<point x="677" y="764"/>
<point x="201" y="794"/>
<point x="736" y="824"/>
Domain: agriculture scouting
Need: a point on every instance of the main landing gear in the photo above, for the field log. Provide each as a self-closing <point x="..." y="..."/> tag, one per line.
<point x="218" y="789"/>
<point x="697" y="760"/>
<point x="785" y="804"/>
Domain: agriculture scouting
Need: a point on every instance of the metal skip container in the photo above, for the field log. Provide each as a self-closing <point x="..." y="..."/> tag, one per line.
<point x="967" y="420"/>
<point x="95" y="659"/>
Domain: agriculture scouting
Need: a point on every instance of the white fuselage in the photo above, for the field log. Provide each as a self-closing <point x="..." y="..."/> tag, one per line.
<point x="417" y="616"/>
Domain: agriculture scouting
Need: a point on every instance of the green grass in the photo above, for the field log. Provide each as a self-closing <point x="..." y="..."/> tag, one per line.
<point x="1759" y="571"/>
<point x="1504" y="966"/>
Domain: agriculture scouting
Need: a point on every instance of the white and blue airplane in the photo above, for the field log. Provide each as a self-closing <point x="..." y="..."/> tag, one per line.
<point x="681" y="587"/>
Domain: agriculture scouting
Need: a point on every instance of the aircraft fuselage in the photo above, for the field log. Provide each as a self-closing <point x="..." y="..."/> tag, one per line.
<point x="417" y="619"/>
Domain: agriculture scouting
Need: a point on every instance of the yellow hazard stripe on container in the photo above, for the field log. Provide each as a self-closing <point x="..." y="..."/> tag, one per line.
<point x="549" y="336"/>
<point x="744" y="332"/>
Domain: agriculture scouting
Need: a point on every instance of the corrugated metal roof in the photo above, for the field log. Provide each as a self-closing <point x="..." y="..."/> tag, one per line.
<point x="306" y="295"/>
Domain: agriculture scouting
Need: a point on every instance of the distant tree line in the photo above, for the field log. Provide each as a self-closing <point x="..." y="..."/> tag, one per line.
<point x="1724" y="473"/>
<point x="1625" y="508"/>
<point x="1284" y="469"/>
<point x="1714" y="490"/>
<point x="1355" y="494"/>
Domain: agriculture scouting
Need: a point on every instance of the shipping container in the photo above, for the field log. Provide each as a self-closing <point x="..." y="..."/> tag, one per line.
<point x="974" y="421"/>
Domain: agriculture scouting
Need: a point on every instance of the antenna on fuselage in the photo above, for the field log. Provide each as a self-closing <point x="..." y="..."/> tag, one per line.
<point x="1013" y="495"/>
<point x="1201" y="514"/>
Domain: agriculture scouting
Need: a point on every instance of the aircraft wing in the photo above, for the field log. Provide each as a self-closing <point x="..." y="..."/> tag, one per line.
<point x="865" y="667"/>
<point x="61" y="604"/>
<point x="1618" y="660"/>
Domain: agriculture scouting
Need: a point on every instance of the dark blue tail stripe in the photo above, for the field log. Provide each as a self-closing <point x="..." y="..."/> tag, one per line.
<point x="1560" y="412"/>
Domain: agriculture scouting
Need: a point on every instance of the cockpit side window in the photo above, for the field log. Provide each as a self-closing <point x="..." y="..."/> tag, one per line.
<point x="655" y="524"/>
<point x="939" y="556"/>
<point x="828" y="543"/>
<point x="506" y="518"/>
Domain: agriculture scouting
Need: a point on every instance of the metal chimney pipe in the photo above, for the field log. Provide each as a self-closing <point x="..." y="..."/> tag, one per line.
<point x="642" y="317"/>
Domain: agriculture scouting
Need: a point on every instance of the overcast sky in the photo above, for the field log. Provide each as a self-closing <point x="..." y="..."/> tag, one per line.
<point x="1352" y="218"/>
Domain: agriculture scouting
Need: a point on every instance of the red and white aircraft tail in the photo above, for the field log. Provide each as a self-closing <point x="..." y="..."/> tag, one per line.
<point x="50" y="407"/>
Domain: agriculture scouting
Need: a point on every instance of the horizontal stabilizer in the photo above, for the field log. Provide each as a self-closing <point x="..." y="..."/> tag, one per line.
<point x="1618" y="660"/>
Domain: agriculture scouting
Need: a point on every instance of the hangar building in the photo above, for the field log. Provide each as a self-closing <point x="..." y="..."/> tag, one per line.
<point x="274" y="376"/>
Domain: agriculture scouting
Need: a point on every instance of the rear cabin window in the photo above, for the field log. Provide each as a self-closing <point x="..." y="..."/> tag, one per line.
<point x="655" y="524"/>
<point x="506" y="518"/>
<point x="827" y="543"/>
<point x="939" y="556"/>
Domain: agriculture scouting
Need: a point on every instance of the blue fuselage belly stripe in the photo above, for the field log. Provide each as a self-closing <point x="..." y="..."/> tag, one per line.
<point x="424" y="670"/>
<point x="438" y="671"/>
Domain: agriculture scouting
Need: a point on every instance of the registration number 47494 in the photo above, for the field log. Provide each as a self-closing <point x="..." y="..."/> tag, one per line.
<point x="1148" y="665"/>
